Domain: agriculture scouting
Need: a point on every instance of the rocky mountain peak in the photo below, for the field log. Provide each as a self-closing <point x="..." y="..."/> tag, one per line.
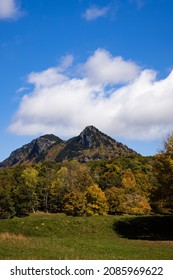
<point x="90" y="144"/>
<point x="33" y="151"/>
<point x="89" y="136"/>
<point x="91" y="129"/>
<point x="44" y="142"/>
<point x="41" y="145"/>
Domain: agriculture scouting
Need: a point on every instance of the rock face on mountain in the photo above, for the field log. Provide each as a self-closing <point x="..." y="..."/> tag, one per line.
<point x="91" y="144"/>
<point x="35" y="151"/>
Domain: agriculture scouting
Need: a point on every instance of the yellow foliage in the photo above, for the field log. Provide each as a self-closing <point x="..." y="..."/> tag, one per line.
<point x="96" y="201"/>
<point x="128" y="180"/>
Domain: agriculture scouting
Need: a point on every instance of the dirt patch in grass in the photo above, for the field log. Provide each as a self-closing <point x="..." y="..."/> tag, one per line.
<point x="6" y="236"/>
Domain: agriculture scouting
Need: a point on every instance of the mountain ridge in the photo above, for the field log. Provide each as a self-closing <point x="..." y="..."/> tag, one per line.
<point x="90" y="144"/>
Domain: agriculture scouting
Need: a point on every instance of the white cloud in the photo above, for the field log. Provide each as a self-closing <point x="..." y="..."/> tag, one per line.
<point x="22" y="89"/>
<point x="102" y="67"/>
<point x="9" y="9"/>
<point x="115" y="95"/>
<point x="95" y="12"/>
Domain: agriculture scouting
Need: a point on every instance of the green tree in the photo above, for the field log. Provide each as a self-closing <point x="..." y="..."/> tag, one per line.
<point x="59" y="188"/>
<point x="23" y="200"/>
<point x="8" y="182"/>
<point x="7" y="209"/>
<point x="24" y="193"/>
<point x="106" y="174"/>
<point x="162" y="195"/>
<point x="46" y="185"/>
<point x="30" y="179"/>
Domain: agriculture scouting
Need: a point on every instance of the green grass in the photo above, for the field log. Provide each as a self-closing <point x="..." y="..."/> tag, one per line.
<point x="60" y="237"/>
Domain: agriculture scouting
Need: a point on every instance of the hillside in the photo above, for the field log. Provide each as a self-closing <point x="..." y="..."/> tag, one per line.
<point x="35" y="151"/>
<point x="90" y="144"/>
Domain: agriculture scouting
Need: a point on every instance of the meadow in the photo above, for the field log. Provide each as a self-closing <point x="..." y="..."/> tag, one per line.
<point x="60" y="237"/>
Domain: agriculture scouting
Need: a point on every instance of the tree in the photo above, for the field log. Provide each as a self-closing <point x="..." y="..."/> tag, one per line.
<point x="128" y="203"/>
<point x="46" y="187"/>
<point x="135" y="204"/>
<point x="30" y="178"/>
<point x="116" y="198"/>
<point x="23" y="200"/>
<point x="96" y="201"/>
<point x="162" y="195"/>
<point x="77" y="175"/>
<point x="72" y="177"/>
<point x="128" y="180"/>
<point x="24" y="193"/>
<point x="74" y="203"/>
<point x="7" y="209"/>
<point x="59" y="188"/>
<point x="106" y="174"/>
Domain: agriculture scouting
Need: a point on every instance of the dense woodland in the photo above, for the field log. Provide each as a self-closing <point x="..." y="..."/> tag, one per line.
<point x="125" y="185"/>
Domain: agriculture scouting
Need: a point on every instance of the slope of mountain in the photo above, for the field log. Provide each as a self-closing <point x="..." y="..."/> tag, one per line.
<point x="91" y="144"/>
<point x="35" y="151"/>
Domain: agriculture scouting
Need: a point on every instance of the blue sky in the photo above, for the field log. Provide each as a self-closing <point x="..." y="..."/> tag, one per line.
<point x="67" y="64"/>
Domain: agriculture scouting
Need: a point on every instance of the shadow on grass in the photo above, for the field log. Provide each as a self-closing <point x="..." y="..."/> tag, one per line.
<point x="145" y="228"/>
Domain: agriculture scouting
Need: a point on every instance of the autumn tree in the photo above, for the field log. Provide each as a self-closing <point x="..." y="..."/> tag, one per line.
<point x="96" y="201"/>
<point x="129" y="181"/>
<point x="75" y="203"/>
<point x="135" y="204"/>
<point x="115" y="198"/>
<point x="162" y="196"/>
<point x="106" y="174"/>
<point x="72" y="177"/>
<point x="121" y="201"/>
<point x="58" y="188"/>
<point x="77" y="175"/>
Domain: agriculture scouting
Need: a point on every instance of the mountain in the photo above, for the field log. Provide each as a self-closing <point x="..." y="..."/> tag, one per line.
<point x="90" y="144"/>
<point x="35" y="151"/>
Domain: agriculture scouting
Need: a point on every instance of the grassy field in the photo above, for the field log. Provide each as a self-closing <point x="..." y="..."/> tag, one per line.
<point x="60" y="237"/>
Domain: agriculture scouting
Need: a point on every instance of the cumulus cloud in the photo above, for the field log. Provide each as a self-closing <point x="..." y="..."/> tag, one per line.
<point x="95" y="12"/>
<point x="113" y="94"/>
<point x="102" y="67"/>
<point x="9" y="9"/>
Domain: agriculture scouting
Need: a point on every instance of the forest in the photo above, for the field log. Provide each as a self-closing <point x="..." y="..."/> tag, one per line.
<point x="133" y="185"/>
